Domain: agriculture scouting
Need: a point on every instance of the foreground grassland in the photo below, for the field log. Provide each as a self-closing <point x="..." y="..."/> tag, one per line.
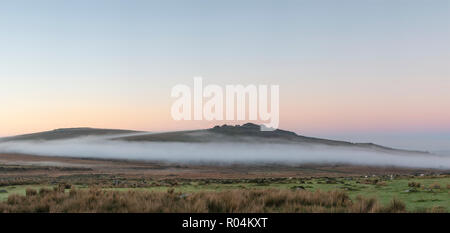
<point x="345" y="194"/>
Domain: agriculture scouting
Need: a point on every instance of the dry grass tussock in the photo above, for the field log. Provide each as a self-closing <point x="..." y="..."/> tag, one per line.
<point x="232" y="201"/>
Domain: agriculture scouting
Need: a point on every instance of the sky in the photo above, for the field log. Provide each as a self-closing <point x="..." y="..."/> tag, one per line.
<point x="356" y="70"/>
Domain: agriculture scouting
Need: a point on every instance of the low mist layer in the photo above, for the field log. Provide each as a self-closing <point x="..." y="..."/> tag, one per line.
<point x="222" y="153"/>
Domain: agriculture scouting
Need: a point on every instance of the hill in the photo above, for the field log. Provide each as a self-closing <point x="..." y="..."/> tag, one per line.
<point x="67" y="133"/>
<point x="251" y="133"/>
<point x="247" y="133"/>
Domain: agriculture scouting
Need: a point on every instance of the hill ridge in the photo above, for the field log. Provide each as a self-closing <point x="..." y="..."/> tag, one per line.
<point x="246" y="133"/>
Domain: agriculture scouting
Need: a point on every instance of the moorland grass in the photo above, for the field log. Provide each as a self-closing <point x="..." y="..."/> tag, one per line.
<point x="419" y="194"/>
<point x="230" y="201"/>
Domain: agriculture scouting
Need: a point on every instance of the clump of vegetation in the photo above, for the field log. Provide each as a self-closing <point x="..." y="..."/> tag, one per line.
<point x="395" y="206"/>
<point x="65" y="186"/>
<point x="437" y="209"/>
<point x="30" y="192"/>
<point x="44" y="191"/>
<point x="230" y="201"/>
<point x="414" y="184"/>
<point x="366" y="205"/>
<point x="381" y="183"/>
<point x="369" y="181"/>
<point x="435" y="186"/>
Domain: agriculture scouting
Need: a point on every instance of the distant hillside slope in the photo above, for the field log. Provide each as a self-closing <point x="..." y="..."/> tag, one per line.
<point x="251" y="133"/>
<point x="67" y="133"/>
<point x="247" y="133"/>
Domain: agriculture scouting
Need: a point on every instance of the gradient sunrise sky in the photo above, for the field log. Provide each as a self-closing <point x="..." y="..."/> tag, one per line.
<point x="365" y="66"/>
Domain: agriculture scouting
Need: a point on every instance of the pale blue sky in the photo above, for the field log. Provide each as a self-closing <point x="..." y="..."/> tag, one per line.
<point x="220" y="39"/>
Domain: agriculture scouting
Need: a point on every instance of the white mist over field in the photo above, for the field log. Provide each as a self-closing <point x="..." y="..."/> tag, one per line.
<point x="223" y="153"/>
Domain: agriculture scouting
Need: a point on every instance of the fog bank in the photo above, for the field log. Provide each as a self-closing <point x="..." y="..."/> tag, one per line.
<point x="227" y="153"/>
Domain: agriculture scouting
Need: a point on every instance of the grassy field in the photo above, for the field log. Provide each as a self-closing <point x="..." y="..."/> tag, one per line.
<point x="418" y="193"/>
<point x="415" y="198"/>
